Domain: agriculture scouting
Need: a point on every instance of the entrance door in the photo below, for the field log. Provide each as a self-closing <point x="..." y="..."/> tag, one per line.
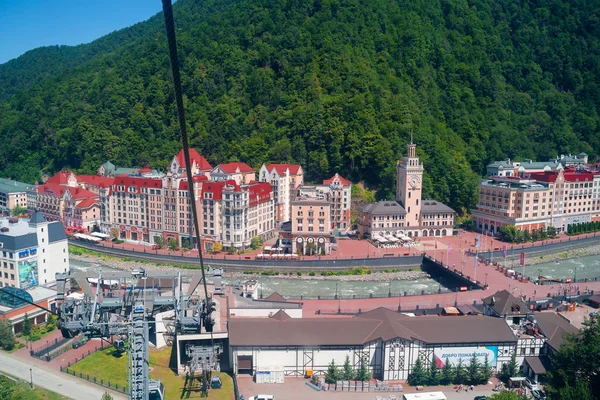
<point x="244" y="365"/>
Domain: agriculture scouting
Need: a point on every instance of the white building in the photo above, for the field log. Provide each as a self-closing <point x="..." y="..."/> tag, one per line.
<point x="388" y="342"/>
<point x="31" y="252"/>
<point x="285" y="180"/>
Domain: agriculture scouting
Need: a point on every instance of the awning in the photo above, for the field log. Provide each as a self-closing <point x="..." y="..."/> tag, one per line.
<point x="100" y="235"/>
<point x="538" y="365"/>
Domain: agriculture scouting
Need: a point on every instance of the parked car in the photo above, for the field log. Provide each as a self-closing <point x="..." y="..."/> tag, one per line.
<point x="215" y="382"/>
<point x="480" y="398"/>
<point x="531" y="384"/>
<point x="262" y="397"/>
<point x="538" y="394"/>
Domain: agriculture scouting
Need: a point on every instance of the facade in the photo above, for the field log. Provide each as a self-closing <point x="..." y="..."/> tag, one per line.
<point x="13" y="309"/>
<point x="516" y="168"/>
<point x="62" y="203"/>
<point x="13" y="194"/>
<point x="233" y="214"/>
<point x="538" y="200"/>
<point x="239" y="172"/>
<point x="32" y="252"/>
<point x="409" y="214"/>
<point x="337" y="191"/>
<point x="285" y="180"/>
<point x="387" y="341"/>
<point x="311" y="226"/>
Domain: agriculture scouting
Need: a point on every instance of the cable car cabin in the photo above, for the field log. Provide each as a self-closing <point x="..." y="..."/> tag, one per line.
<point x="156" y="389"/>
<point x="119" y="346"/>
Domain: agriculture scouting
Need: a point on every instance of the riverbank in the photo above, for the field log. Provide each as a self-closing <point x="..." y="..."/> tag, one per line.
<point x="374" y="276"/>
<point x="555" y="256"/>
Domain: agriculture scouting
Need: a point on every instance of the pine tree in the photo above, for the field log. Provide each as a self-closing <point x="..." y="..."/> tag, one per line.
<point x="7" y="338"/>
<point x="473" y="375"/>
<point x="433" y="377"/>
<point x="26" y="325"/>
<point x="486" y="370"/>
<point x="513" y="367"/>
<point x="447" y="373"/>
<point x="107" y="396"/>
<point x="347" y="370"/>
<point x="363" y="374"/>
<point x="332" y="374"/>
<point x="459" y="372"/>
<point x="418" y="376"/>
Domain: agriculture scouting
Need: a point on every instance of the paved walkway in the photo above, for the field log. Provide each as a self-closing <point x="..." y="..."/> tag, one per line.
<point x="51" y="379"/>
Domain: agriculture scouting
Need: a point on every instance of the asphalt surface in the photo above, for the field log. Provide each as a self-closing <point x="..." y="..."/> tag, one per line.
<point x="53" y="380"/>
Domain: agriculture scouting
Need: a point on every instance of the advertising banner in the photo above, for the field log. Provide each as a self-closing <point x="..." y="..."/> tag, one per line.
<point x="454" y="354"/>
<point x="28" y="273"/>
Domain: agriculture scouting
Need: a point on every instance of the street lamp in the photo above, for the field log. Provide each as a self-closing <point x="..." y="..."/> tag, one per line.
<point x="31" y="377"/>
<point x="539" y="275"/>
<point x="485" y="284"/>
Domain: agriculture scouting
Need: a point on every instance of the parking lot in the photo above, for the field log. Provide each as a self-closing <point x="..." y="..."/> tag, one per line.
<point x="296" y="389"/>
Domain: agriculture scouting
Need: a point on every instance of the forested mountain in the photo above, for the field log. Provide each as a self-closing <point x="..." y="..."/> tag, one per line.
<point x="336" y="85"/>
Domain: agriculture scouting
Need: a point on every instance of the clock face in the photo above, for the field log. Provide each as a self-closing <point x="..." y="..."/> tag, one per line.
<point x="414" y="181"/>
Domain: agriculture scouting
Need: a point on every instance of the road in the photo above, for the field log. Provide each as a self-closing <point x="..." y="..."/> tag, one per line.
<point x="53" y="380"/>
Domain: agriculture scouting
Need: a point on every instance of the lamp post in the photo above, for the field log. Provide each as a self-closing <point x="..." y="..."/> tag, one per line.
<point x="390" y="288"/>
<point x="339" y="300"/>
<point x="539" y="275"/>
<point x="485" y="284"/>
<point x="31" y="377"/>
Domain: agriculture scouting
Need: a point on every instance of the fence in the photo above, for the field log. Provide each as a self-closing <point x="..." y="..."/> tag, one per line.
<point x="97" y="381"/>
<point x="236" y="390"/>
<point x="44" y="354"/>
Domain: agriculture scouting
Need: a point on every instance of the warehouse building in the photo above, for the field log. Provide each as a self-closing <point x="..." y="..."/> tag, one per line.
<point x="388" y="342"/>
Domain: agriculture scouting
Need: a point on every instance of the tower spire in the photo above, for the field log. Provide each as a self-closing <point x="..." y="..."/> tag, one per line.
<point x="411" y="135"/>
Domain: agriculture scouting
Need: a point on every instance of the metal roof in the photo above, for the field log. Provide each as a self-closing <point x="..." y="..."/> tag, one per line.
<point x="56" y="232"/>
<point x="431" y="206"/>
<point x="11" y="186"/>
<point x="383" y="208"/>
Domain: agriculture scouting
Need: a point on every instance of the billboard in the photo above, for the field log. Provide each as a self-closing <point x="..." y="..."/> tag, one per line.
<point x="454" y="354"/>
<point x="28" y="273"/>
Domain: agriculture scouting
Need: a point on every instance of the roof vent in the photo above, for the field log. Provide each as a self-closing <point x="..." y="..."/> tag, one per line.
<point x="4" y="229"/>
<point x="13" y="220"/>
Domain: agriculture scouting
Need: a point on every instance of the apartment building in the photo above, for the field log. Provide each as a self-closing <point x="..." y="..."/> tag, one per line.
<point x="31" y="251"/>
<point x="13" y="194"/>
<point x="519" y="168"/>
<point x="311" y="226"/>
<point x="199" y="164"/>
<point x="285" y="180"/>
<point x="233" y="214"/>
<point x="239" y="172"/>
<point x="538" y="200"/>
<point x="59" y="203"/>
<point x="337" y="191"/>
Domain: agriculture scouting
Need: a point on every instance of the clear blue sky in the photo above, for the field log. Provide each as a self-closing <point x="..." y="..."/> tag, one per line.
<point x="28" y="24"/>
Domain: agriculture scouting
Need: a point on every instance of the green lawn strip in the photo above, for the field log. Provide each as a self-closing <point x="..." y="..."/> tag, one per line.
<point x="22" y="390"/>
<point x="104" y="365"/>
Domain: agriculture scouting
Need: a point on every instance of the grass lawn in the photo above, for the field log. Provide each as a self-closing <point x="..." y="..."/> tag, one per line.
<point x="104" y="365"/>
<point x="22" y="390"/>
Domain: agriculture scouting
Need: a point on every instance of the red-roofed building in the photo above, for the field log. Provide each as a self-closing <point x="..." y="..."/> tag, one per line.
<point x="59" y="202"/>
<point x="65" y="178"/>
<point x="539" y="200"/>
<point x="199" y="164"/>
<point x="239" y="172"/>
<point x="233" y="214"/>
<point x="285" y="180"/>
<point x="336" y="191"/>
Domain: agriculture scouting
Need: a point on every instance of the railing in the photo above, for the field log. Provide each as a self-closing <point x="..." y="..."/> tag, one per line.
<point x="44" y="353"/>
<point x="101" y="382"/>
<point x="236" y="390"/>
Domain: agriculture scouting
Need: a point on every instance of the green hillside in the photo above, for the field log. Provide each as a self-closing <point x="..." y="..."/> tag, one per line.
<point x="336" y="85"/>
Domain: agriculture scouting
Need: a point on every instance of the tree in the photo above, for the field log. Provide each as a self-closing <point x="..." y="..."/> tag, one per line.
<point x="526" y="236"/>
<point x="433" y="376"/>
<point x="332" y="374"/>
<point x="347" y="370"/>
<point x="17" y="210"/>
<point x="513" y="367"/>
<point x="363" y="373"/>
<point x="418" y="375"/>
<point x="507" y="233"/>
<point x="459" y="372"/>
<point x="447" y="373"/>
<point x="26" y="325"/>
<point x="507" y="395"/>
<point x="159" y="241"/>
<point x="575" y="368"/>
<point x="255" y="242"/>
<point x="544" y="233"/>
<point x="486" y="370"/>
<point x="473" y="373"/>
<point x="173" y="245"/>
<point x="217" y="246"/>
<point x="106" y="396"/>
<point x="7" y="338"/>
<point x="535" y="235"/>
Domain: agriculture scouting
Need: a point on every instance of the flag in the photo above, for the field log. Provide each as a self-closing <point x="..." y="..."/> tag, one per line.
<point x="478" y="243"/>
<point x="522" y="258"/>
<point x="504" y="251"/>
<point x="475" y="261"/>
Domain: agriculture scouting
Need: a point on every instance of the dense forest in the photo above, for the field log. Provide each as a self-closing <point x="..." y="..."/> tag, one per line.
<point x="336" y="85"/>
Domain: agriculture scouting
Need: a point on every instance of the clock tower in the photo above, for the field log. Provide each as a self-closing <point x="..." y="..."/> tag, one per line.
<point x="409" y="181"/>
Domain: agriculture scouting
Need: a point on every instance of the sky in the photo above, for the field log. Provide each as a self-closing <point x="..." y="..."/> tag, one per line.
<point x="28" y="24"/>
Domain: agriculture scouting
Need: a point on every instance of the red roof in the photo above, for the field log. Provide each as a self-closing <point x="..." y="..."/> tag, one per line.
<point x="547" y="176"/>
<point x="199" y="178"/>
<point x="137" y="183"/>
<point x="95" y="180"/>
<point x="216" y="188"/>
<point x="574" y="176"/>
<point x="236" y="167"/>
<point x="259" y="192"/>
<point x="59" y="191"/>
<point x="343" y="181"/>
<point x="280" y="168"/>
<point x="145" y="170"/>
<point x="60" y="178"/>
<point x="87" y="203"/>
<point x="201" y="162"/>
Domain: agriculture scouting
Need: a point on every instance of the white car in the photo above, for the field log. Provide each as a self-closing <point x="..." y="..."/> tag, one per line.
<point x="262" y="397"/>
<point x="531" y="384"/>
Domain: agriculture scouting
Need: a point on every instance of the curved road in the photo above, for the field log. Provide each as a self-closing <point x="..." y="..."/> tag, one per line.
<point x="55" y="381"/>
